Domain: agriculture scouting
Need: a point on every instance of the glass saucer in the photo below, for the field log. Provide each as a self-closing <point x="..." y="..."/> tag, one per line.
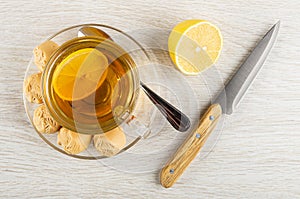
<point x="139" y="56"/>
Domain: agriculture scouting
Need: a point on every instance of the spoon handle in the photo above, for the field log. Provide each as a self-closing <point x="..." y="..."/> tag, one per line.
<point x="175" y="117"/>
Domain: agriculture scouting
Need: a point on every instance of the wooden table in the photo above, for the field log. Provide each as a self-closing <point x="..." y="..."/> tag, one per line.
<point x="258" y="154"/>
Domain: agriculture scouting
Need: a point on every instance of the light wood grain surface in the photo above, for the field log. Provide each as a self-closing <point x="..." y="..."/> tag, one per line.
<point x="258" y="154"/>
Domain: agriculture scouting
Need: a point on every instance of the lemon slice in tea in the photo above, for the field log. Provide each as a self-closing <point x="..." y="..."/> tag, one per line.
<point x="80" y="74"/>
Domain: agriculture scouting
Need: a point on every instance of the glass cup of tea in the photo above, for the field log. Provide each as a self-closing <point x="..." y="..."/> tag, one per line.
<point x="90" y="85"/>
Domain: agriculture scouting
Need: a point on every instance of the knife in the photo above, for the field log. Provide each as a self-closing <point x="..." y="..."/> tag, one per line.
<point x="225" y="103"/>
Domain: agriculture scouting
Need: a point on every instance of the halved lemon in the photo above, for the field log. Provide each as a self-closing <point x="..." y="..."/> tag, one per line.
<point x="80" y="74"/>
<point x="194" y="45"/>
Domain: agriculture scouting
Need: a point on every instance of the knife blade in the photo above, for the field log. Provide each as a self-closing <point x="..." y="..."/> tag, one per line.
<point x="225" y="103"/>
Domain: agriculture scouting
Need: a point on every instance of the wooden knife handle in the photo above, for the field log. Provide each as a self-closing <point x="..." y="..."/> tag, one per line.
<point x="190" y="147"/>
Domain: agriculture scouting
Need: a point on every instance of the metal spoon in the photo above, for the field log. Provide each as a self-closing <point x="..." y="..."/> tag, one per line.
<point x="174" y="116"/>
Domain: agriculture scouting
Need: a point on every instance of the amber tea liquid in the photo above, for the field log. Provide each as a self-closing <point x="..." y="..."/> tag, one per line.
<point x="108" y="106"/>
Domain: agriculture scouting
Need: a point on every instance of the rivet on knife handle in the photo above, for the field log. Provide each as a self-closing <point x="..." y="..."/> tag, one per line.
<point x="190" y="148"/>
